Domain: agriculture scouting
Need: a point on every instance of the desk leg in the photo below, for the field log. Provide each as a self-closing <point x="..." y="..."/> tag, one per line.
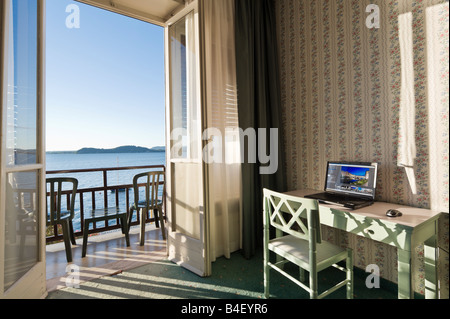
<point x="430" y="252"/>
<point x="405" y="290"/>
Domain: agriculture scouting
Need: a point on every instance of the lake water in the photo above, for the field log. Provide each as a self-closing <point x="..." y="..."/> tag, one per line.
<point x="56" y="162"/>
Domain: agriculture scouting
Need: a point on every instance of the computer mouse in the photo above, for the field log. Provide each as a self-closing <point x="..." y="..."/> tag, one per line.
<point x="393" y="213"/>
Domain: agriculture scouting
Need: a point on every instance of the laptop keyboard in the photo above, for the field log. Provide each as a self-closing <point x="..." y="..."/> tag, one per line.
<point x="339" y="199"/>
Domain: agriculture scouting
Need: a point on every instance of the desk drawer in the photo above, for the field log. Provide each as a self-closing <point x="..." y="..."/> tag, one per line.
<point x="378" y="230"/>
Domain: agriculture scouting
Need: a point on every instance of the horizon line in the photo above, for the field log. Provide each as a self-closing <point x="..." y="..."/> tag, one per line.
<point x="106" y="149"/>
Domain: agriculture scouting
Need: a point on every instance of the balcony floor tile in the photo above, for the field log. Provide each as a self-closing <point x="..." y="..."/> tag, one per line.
<point x="107" y="254"/>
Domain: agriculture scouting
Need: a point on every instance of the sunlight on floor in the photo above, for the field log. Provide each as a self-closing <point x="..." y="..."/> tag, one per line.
<point x="107" y="255"/>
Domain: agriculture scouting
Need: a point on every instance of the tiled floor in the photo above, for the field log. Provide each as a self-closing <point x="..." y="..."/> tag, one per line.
<point x="107" y="254"/>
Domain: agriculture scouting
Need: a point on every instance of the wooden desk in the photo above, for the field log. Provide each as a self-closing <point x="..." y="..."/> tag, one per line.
<point x="406" y="232"/>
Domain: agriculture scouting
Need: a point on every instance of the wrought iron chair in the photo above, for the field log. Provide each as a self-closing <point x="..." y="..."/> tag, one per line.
<point x="59" y="214"/>
<point x="154" y="183"/>
<point x="298" y="240"/>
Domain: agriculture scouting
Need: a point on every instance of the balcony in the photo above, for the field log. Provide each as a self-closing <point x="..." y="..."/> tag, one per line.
<point x="106" y="252"/>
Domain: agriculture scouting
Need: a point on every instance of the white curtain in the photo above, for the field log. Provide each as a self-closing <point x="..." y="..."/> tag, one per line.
<point x="222" y="151"/>
<point x="407" y="151"/>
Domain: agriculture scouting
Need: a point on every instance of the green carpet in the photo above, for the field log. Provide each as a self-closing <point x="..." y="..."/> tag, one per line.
<point x="236" y="278"/>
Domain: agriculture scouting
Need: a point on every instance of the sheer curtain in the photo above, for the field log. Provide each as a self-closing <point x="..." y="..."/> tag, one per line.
<point x="222" y="150"/>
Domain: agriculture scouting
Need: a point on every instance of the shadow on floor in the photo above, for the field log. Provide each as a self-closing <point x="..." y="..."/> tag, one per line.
<point x="236" y="278"/>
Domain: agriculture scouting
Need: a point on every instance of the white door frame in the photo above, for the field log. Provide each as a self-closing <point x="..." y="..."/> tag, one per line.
<point x="33" y="283"/>
<point x="183" y="249"/>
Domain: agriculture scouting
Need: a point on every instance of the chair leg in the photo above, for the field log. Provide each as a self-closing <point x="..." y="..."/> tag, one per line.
<point x="125" y="229"/>
<point x="266" y="274"/>
<point x="159" y="215"/>
<point x="313" y="284"/>
<point x="130" y="217"/>
<point x="23" y="235"/>
<point x="122" y="224"/>
<point x="302" y="274"/>
<point x="142" y="234"/>
<point x="349" y="266"/>
<point x="155" y="214"/>
<point x="85" y="238"/>
<point x="72" y="234"/>
<point x="66" y="236"/>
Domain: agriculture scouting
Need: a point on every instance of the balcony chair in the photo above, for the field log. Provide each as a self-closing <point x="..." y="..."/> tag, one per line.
<point x="21" y="219"/>
<point x="154" y="183"/>
<point x="298" y="240"/>
<point x="59" y="216"/>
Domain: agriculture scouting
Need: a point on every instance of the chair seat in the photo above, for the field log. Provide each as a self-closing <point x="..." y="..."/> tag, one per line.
<point x="65" y="214"/>
<point x="297" y="250"/>
<point x="143" y="204"/>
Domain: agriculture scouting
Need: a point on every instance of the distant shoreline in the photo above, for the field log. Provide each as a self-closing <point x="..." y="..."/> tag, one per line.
<point x="117" y="150"/>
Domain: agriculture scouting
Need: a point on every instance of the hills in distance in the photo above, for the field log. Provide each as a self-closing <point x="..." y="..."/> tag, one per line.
<point x="120" y="149"/>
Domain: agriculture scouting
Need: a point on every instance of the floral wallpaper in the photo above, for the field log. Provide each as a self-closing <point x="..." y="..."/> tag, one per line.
<point x="368" y="80"/>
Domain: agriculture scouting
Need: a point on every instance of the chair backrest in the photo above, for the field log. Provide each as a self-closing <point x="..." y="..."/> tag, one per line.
<point x="55" y="188"/>
<point x="293" y="215"/>
<point x="154" y="182"/>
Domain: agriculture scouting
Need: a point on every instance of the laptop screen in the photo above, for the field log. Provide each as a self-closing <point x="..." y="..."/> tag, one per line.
<point x="355" y="179"/>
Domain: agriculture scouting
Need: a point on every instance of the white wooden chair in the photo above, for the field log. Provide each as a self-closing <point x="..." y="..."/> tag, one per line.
<point x="298" y="240"/>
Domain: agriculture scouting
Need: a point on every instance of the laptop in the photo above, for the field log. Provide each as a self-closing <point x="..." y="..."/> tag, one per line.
<point x="349" y="184"/>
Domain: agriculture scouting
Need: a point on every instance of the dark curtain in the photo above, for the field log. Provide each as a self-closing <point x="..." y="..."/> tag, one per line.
<point x="259" y="106"/>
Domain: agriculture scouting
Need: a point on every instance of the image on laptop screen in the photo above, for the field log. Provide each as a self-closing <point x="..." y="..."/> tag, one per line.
<point x="356" y="179"/>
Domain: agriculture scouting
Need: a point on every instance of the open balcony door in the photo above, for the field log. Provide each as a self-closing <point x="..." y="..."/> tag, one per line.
<point x="185" y="183"/>
<point x="22" y="162"/>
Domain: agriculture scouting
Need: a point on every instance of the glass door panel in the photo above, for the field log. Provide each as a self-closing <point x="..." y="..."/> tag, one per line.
<point x="187" y="238"/>
<point x="21" y="227"/>
<point x="184" y="97"/>
<point x="21" y="107"/>
<point x="22" y="210"/>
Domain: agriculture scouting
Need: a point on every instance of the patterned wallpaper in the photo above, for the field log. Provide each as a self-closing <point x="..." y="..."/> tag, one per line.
<point x="350" y="92"/>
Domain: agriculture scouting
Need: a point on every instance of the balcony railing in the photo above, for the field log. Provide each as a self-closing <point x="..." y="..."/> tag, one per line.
<point x="104" y="195"/>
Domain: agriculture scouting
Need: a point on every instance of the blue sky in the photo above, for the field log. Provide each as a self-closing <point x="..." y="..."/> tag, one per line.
<point x="104" y="80"/>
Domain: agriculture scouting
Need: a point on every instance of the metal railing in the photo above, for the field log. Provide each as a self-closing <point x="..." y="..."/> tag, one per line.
<point x="110" y="195"/>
